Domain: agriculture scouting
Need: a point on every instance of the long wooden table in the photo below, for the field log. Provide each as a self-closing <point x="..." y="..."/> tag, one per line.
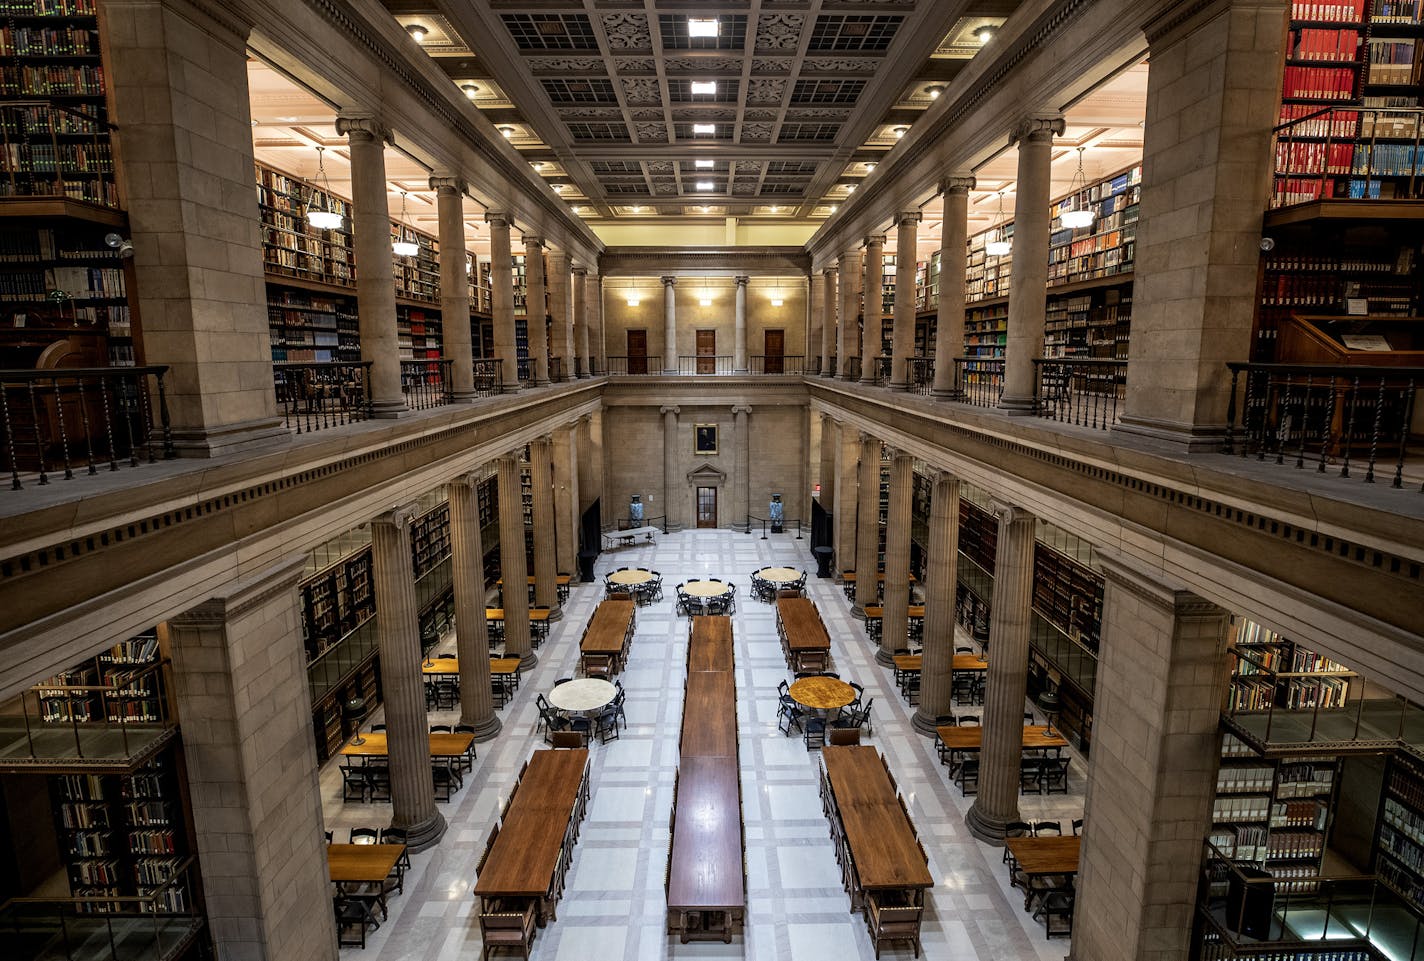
<point x="535" y="614"/>
<point x="609" y="629"/>
<point x="913" y="663"/>
<point x="709" y="715"/>
<point x="709" y="643"/>
<point x="706" y="891"/>
<point x="361" y="863"/>
<point x="440" y="666"/>
<point x="526" y="853"/>
<point x="1045" y="857"/>
<point x="1035" y="738"/>
<point x="881" y="839"/>
<point x="875" y="612"/>
<point x="504" y="665"/>
<point x="441" y="745"/>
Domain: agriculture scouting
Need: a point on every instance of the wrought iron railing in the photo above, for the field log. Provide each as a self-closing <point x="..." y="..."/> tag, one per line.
<point x="522" y="369"/>
<point x="634" y="365"/>
<point x="766" y="525"/>
<point x="979" y="382"/>
<point x="921" y="374"/>
<point x="318" y="396"/>
<point x="82" y="419"/>
<point x="704" y="364"/>
<point x="489" y="376"/>
<point x="884" y="369"/>
<point x="425" y="383"/>
<point x="1083" y="391"/>
<point x="1349" y="153"/>
<point x="777" y="364"/>
<point x="813" y="365"/>
<point x="830" y="369"/>
<point x="852" y="368"/>
<point x="1350" y="417"/>
<point x="556" y="370"/>
<point x="48" y="151"/>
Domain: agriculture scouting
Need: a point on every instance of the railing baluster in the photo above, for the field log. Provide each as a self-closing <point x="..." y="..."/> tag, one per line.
<point x="168" y="452"/>
<point x="1351" y="402"/>
<point x="1405" y="421"/>
<point x="35" y="430"/>
<point x="1304" y="415"/>
<point x="84" y="420"/>
<point x="63" y="432"/>
<point x="1283" y="418"/>
<point x="1231" y="410"/>
<point x="1375" y="433"/>
<point x="104" y="388"/>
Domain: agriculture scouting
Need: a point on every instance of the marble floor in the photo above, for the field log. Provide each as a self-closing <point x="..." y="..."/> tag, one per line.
<point x="613" y="908"/>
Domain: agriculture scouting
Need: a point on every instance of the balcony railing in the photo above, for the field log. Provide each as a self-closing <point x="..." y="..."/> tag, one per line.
<point x="318" y="396"/>
<point x="1083" y="391"/>
<point x="556" y="370"/>
<point x="831" y="367"/>
<point x="1349" y="153"/>
<point x="489" y="376"/>
<point x="884" y="369"/>
<point x="922" y="374"/>
<point x="852" y="368"/>
<point x="51" y="152"/>
<point x="425" y="383"/>
<point x="704" y="364"/>
<point x="1324" y="417"/>
<point x="82" y="419"/>
<point x="634" y="365"/>
<point x="979" y="382"/>
<point x="777" y="364"/>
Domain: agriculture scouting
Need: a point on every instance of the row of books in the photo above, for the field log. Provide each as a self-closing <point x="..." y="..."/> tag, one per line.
<point x="67" y="41"/>
<point x="1315" y="43"/>
<point x="1319" y="83"/>
<point x="80" y="787"/>
<point x="48" y="8"/>
<point x="1299" y="157"/>
<point x="43" y="158"/>
<point x="1405" y="785"/>
<point x="1300" y="290"/>
<point x="1298" y="814"/>
<point x="153" y="842"/>
<point x="1401" y="847"/>
<point x="94" y="190"/>
<point x="1335" y="124"/>
<point x="136" y="650"/>
<point x="52" y="80"/>
<point x="1349" y="11"/>
<point x="1233" y="809"/>
<point x="1403" y="819"/>
<point x="1396" y="11"/>
<point x="1243" y="780"/>
<point x="1391" y="62"/>
<point x="1294" y="845"/>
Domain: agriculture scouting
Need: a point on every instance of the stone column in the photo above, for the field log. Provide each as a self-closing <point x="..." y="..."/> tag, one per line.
<point x="815" y="319"/>
<point x="402" y="686"/>
<point x="566" y="499"/>
<point x="830" y="442"/>
<point x="828" y="325"/>
<point x="949" y="324"/>
<point x="371" y="246"/>
<point x="1028" y="279"/>
<point x="1162" y="679"/>
<point x="502" y="300"/>
<point x="742" y="468"/>
<point x="847" y="484"/>
<point x="560" y="320"/>
<point x="873" y="309"/>
<point x="541" y="477"/>
<point x="178" y="80"/>
<point x="536" y="311"/>
<point x="584" y="365"/>
<point x="672" y="493"/>
<point x="941" y="581"/>
<point x="586" y="466"/>
<point x="1211" y="95"/>
<point x="739" y="340"/>
<point x="454" y="287"/>
<point x="902" y="337"/>
<point x="867" y="526"/>
<point x="895" y="627"/>
<point x="1007" y="680"/>
<point x="240" y="677"/>
<point x="595" y="324"/>
<point x="513" y="567"/>
<point x="850" y="277"/>
<point x="467" y="563"/>
<point x="669" y="325"/>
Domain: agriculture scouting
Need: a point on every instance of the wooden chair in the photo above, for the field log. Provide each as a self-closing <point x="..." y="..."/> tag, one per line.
<point x="507" y="929"/>
<point x="1056" y="910"/>
<point x="354" y="913"/>
<point x="844" y="735"/>
<point x="892" y="922"/>
<point x="489" y="846"/>
<point x="1077" y="827"/>
<point x="364" y="836"/>
<point x="598" y="665"/>
<point x="560" y="739"/>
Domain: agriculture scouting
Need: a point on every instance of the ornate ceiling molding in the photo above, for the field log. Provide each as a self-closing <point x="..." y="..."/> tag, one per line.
<point x="731" y="261"/>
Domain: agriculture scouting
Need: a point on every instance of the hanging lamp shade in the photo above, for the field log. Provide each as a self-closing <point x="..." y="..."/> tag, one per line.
<point x="998" y="244"/>
<point x="318" y="215"/>
<point x="402" y="247"/>
<point x="1078" y="216"/>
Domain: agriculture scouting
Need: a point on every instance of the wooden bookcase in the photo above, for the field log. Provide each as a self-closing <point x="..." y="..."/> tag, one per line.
<point x="1261" y="658"/>
<point x="336" y="601"/>
<point x="1399" y="846"/>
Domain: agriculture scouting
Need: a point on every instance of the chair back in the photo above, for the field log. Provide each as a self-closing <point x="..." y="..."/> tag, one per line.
<point x="1041" y="828"/>
<point x="439" y="729"/>
<point x="364" y="836"/>
<point x="844" y="735"/>
<point x="393" y="836"/>
<point x="566" y="739"/>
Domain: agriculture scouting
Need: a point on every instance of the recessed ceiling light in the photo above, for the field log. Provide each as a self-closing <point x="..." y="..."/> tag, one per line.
<point x="850" y="188"/>
<point x="416" y="31"/>
<point x="777" y="302"/>
<point x="704" y="86"/>
<point x="985" y="33"/>
<point x="537" y="164"/>
<point x="934" y="91"/>
<point x="636" y="209"/>
<point x="702" y="164"/>
<point x="288" y="119"/>
<point x="704" y="128"/>
<point x="507" y="131"/>
<point x="633" y="300"/>
<point x="704" y="209"/>
<point x="900" y="132"/>
<point x="869" y="165"/>
<point x="704" y="185"/>
<point x="558" y="188"/>
<point x="833" y="208"/>
<point x="704" y="302"/>
<point x="470" y="89"/>
<point x="773" y="208"/>
<point x="697" y="27"/>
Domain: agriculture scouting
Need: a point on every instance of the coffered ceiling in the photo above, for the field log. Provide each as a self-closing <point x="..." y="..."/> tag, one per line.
<point x="656" y="108"/>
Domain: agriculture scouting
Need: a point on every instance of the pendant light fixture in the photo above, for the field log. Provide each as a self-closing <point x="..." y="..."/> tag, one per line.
<point x="998" y="244"/>
<point x="1078" y="214"/>
<point x="319" y="214"/>
<point x="402" y="247"/>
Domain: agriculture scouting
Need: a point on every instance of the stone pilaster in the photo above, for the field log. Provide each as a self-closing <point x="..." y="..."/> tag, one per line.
<point x="847" y="485"/>
<point x="1162" y="679"/>
<point x="673" y="495"/>
<point x="902" y="336"/>
<point x="741" y="470"/>
<point x="739" y="340"/>
<point x="402" y="685"/>
<point x="895" y="627"/>
<point x="541" y="476"/>
<point x="850" y="278"/>
<point x="454" y="287"/>
<point x="826" y="475"/>
<point x="815" y="317"/>
<point x="873" y="308"/>
<point x="240" y="683"/>
<point x="536" y="311"/>
<point x="566" y="499"/>
<point x="669" y="325"/>
<point x="1006" y="681"/>
<point x="581" y="353"/>
<point x="471" y="630"/>
<point x="502" y="299"/>
<point x="596" y="331"/>
<point x="867" y="525"/>
<point x="828" y="324"/>
<point x="561" y="322"/>
<point x="513" y="566"/>
<point x="941" y="575"/>
<point x="1028" y="278"/>
<point x="949" y="330"/>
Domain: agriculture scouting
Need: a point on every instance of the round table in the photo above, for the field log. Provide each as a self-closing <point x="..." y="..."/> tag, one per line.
<point x="779" y="575"/>
<point x="709" y="588"/>
<point x="583" y="696"/>
<point x="822" y="693"/>
<point x="630" y="578"/>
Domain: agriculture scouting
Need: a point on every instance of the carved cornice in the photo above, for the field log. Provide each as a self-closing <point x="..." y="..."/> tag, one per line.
<point x="448" y="184"/>
<point x="1038" y="128"/>
<point x="720" y="261"/>
<point x="363" y="128"/>
<point x="245" y="595"/>
<point x="1179" y="15"/>
<point x="957" y="184"/>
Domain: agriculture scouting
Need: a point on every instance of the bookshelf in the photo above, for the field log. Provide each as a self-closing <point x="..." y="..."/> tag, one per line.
<point x="312" y="328"/>
<point x="1068" y="594"/>
<point x="419" y="333"/>
<point x="417" y="277"/>
<point x="1105" y="248"/>
<point x="138" y="695"/>
<point x="1271" y="671"/>
<point x="985" y="276"/>
<point x="336" y="601"/>
<point x="430" y="539"/>
<point x="291" y="247"/>
<point x="1399" y="845"/>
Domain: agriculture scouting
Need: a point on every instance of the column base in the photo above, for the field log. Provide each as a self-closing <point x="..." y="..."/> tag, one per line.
<point x="1191" y="438"/>
<point x="987" y="827"/>
<point x="463" y="396"/>
<point x="512" y="388"/>
<point x="485" y="730"/>
<point x="528" y="661"/>
<point x="532" y="383"/>
<point x="741" y="370"/>
<point x="230" y="438"/>
<point x="868" y="381"/>
<point x="857" y="612"/>
<point x="924" y="724"/>
<point x="556" y="612"/>
<point x="388" y="409"/>
<point x="884" y="657"/>
<point x="585" y="376"/>
<point x="424" y="835"/>
<point x="1016" y="406"/>
<point x="945" y="393"/>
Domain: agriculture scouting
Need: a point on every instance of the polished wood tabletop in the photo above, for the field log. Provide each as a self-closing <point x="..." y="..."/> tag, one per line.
<point x="535" y="613"/>
<point x="504" y="665"/>
<point x="802" y="624"/>
<point x="962" y="662"/>
<point x="876" y="612"/>
<point x="361" y="863"/>
<point x="526" y="852"/>
<point x="709" y="715"/>
<point x="608" y="628"/>
<point x="822" y="693"/>
<point x="709" y="643"/>
<point x="971" y="738"/>
<point x="1044" y="856"/>
<point x="441" y="745"/>
<point x="849" y="577"/>
<point x="562" y="580"/>
<point x="440" y="665"/>
<point x="705" y="870"/>
<point x="880" y="836"/>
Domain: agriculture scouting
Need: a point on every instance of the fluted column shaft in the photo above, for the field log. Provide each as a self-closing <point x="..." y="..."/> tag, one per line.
<point x="467" y="561"/>
<point x="566" y="499"/>
<point x="585" y="369"/>
<point x="902" y="336"/>
<point x="828" y="322"/>
<point x="454" y="287"/>
<point x="671" y="498"/>
<point x="847" y="466"/>
<point x="512" y="565"/>
<point x="371" y="246"/>
<point x="867" y="534"/>
<point x="949" y="322"/>
<point x="850" y="277"/>
<point x="815" y="319"/>
<point x="560" y="319"/>
<point x="502" y="300"/>
<point x="941" y="582"/>
<point x="596" y="331"/>
<point x="669" y="325"/>
<point x="402" y="686"/>
<point x="826" y="475"/>
<point x="741" y="470"/>
<point x="1007" y="679"/>
<point x="541" y="476"/>
<point x="1028" y="277"/>
<point x="739" y="338"/>
<point x="536" y="311"/>
<point x="873" y="308"/>
<point x="895" y="627"/>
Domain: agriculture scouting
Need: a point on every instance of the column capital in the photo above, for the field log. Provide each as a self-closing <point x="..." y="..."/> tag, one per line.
<point x="579" y="270"/>
<point x="831" y="271"/>
<point x="875" y="240"/>
<point x="555" y="254"/>
<point x="850" y="255"/>
<point x="363" y="128"/>
<point x="513" y="456"/>
<point x="908" y="217"/>
<point x="668" y="280"/>
<point x="497" y="218"/>
<point x="742" y="280"/>
<point x="959" y="183"/>
<point x="469" y="480"/>
<point x="532" y="240"/>
<point x="1009" y="513"/>
<point x="741" y="409"/>
<point x="1038" y="127"/>
<point x="864" y="437"/>
<point x="447" y="184"/>
<point x="397" y="517"/>
<point x="669" y="409"/>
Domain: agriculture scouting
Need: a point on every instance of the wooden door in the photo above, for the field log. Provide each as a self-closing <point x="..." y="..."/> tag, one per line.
<point x="706" y="507"/>
<point x="707" y="354"/>
<point x="774" y="349"/>
<point x="637" y="351"/>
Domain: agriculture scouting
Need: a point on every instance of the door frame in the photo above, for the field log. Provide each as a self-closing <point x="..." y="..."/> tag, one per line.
<point x="697" y="507"/>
